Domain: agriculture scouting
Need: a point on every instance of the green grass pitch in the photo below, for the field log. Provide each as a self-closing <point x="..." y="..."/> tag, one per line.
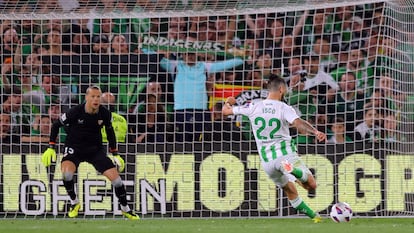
<point x="224" y="225"/>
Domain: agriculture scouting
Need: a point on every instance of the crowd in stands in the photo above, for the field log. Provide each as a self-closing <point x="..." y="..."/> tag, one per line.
<point x="337" y="62"/>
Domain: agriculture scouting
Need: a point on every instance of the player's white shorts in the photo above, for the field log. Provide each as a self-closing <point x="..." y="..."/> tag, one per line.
<point x="273" y="170"/>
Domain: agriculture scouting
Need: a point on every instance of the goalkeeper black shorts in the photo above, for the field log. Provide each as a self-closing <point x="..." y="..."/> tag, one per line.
<point x="99" y="159"/>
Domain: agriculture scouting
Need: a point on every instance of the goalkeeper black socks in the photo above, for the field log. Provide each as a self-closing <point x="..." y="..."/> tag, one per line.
<point x="70" y="188"/>
<point x="120" y="192"/>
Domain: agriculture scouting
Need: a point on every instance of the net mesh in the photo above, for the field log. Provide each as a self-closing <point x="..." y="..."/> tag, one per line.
<point x="348" y="65"/>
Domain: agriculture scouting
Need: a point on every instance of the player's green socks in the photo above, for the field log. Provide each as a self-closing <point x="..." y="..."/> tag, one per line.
<point x="301" y="206"/>
<point x="298" y="173"/>
<point x="287" y="167"/>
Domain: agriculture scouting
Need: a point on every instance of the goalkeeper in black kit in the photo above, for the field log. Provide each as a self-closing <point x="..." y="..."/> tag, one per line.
<point x="83" y="143"/>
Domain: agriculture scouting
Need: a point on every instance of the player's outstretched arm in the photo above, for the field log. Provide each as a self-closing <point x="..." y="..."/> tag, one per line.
<point x="227" y="107"/>
<point x="306" y="128"/>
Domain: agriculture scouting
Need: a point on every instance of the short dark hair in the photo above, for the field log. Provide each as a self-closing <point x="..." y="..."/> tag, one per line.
<point x="100" y="39"/>
<point x="275" y="81"/>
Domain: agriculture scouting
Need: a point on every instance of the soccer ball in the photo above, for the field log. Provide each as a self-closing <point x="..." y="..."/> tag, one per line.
<point x="341" y="212"/>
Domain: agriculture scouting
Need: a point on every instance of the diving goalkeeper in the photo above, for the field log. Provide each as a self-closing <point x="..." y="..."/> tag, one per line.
<point x="83" y="143"/>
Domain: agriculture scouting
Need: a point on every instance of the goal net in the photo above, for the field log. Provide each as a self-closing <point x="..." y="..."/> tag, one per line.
<point x="165" y="68"/>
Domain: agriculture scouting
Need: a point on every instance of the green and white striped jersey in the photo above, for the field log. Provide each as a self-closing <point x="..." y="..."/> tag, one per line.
<point x="270" y="121"/>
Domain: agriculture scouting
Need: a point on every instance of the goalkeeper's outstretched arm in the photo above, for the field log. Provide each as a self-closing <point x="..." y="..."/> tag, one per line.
<point x="54" y="131"/>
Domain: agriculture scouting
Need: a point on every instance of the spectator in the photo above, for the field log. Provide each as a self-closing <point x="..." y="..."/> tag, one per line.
<point x="6" y="137"/>
<point x="390" y="131"/>
<point x="275" y="33"/>
<point x="163" y="112"/>
<point x="120" y="26"/>
<point x="28" y="29"/>
<point x="256" y="27"/>
<point x="59" y="25"/>
<point x="321" y="119"/>
<point x="157" y="28"/>
<point x="119" y="45"/>
<point x="287" y="50"/>
<point x="346" y="101"/>
<point x="379" y="102"/>
<point x="191" y="92"/>
<point x="252" y="48"/>
<point x="138" y="27"/>
<point x="55" y="44"/>
<point x="52" y="91"/>
<point x="100" y="44"/>
<point x="104" y="27"/>
<point x="222" y="128"/>
<point x="377" y="63"/>
<point x="317" y="25"/>
<point x="153" y="88"/>
<point x="230" y="77"/>
<point x="84" y="23"/>
<point x="38" y="97"/>
<point x="119" y="122"/>
<point x="356" y="35"/>
<point x="303" y="101"/>
<point x="12" y="104"/>
<point x="386" y="84"/>
<point x="32" y="97"/>
<point x="356" y="64"/>
<point x="79" y="39"/>
<point x="338" y="132"/>
<point x="254" y="78"/>
<point x="6" y="24"/>
<point x="177" y="26"/>
<point x="7" y="77"/>
<point x="368" y="130"/>
<point x="34" y="65"/>
<point x="341" y="17"/>
<point x="264" y="64"/>
<point x="224" y="30"/>
<point x="40" y="130"/>
<point x="294" y="67"/>
<point x="317" y="80"/>
<point x="200" y="29"/>
<point x="322" y="47"/>
<point x="10" y="41"/>
<point x="151" y="123"/>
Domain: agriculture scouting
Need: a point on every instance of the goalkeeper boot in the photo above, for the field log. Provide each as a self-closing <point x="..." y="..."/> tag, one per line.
<point x="317" y="219"/>
<point x="73" y="210"/>
<point x="286" y="167"/>
<point x="130" y="215"/>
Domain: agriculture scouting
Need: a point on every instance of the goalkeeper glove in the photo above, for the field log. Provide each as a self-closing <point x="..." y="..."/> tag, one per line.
<point x="119" y="161"/>
<point x="49" y="156"/>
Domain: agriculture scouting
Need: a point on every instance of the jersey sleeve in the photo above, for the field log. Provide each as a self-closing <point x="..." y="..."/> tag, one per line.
<point x="70" y="115"/>
<point x="64" y="119"/>
<point x="289" y="114"/>
<point x="243" y="110"/>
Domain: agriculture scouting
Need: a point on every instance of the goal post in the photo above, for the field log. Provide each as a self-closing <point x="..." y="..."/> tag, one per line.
<point x="349" y="69"/>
